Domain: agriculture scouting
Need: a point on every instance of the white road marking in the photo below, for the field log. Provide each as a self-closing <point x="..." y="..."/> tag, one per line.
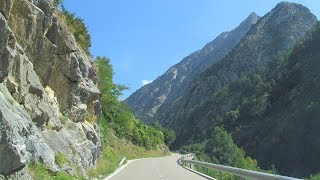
<point x="154" y="166"/>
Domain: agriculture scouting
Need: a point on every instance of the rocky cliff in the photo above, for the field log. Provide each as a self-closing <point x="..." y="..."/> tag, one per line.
<point x="158" y="96"/>
<point x="48" y="92"/>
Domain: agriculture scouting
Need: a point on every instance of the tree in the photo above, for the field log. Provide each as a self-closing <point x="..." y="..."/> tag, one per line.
<point x="169" y="136"/>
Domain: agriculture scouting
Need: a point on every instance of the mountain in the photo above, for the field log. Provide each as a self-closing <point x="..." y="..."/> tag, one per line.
<point x="274" y="34"/>
<point x="170" y="86"/>
<point x="273" y="112"/>
<point x="258" y="92"/>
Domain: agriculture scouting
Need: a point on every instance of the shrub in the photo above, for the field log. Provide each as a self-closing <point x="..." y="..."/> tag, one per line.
<point x="77" y="26"/>
<point x="60" y="159"/>
<point x="57" y="3"/>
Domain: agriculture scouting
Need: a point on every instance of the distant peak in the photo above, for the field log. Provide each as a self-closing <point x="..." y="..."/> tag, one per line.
<point x="250" y="20"/>
<point x="253" y="17"/>
<point x="285" y="4"/>
<point x="290" y="5"/>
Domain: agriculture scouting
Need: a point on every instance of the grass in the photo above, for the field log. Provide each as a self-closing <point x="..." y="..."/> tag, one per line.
<point x="60" y="159"/>
<point x="39" y="171"/>
<point x="115" y="151"/>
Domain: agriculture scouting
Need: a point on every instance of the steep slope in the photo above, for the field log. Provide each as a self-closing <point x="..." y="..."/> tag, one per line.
<point x="273" y="113"/>
<point x="274" y="34"/>
<point x="167" y="88"/>
<point x="48" y="92"/>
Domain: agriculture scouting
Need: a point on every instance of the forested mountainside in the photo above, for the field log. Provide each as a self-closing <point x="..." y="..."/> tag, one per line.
<point x="273" y="34"/>
<point x="55" y="123"/>
<point x="167" y="88"/>
<point x="259" y="93"/>
<point x="273" y="113"/>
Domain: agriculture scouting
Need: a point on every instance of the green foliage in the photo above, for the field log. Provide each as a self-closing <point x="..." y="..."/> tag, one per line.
<point x="57" y="3"/>
<point x="117" y="115"/>
<point x="314" y="177"/>
<point x="39" y="171"/>
<point x="274" y="105"/>
<point x="60" y="159"/>
<point x="115" y="150"/>
<point x="77" y="27"/>
<point x="221" y="149"/>
<point x="169" y="136"/>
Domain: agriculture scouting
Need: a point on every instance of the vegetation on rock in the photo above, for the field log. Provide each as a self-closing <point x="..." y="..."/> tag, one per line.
<point x="76" y="25"/>
<point x="60" y="159"/>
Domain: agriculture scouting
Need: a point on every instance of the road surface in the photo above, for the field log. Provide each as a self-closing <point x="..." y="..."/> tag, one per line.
<point x="161" y="168"/>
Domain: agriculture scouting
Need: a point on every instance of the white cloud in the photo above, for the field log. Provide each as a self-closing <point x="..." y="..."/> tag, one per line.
<point x="145" y="82"/>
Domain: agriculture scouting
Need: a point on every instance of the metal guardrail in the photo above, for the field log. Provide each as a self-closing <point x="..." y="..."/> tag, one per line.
<point x="243" y="173"/>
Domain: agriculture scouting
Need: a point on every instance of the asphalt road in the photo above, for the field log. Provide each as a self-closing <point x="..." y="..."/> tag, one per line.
<point x="162" y="168"/>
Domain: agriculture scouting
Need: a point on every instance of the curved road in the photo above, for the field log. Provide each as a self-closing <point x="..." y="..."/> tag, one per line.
<point x="161" y="168"/>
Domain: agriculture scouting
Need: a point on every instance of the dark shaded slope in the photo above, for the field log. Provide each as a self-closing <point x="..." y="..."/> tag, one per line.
<point x="274" y="34"/>
<point x="273" y="113"/>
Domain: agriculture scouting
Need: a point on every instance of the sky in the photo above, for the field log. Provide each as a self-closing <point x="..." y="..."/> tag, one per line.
<point x="144" y="38"/>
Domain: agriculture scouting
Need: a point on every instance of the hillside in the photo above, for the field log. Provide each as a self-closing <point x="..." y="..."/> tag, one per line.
<point x="166" y="89"/>
<point x="256" y="94"/>
<point x="273" y="112"/>
<point x="274" y="34"/>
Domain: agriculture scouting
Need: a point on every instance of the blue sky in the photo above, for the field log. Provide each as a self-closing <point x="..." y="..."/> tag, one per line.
<point x="143" y="38"/>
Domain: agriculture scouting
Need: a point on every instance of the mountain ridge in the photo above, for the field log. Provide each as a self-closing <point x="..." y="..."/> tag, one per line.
<point x="195" y="111"/>
<point x="264" y="41"/>
<point x="160" y="91"/>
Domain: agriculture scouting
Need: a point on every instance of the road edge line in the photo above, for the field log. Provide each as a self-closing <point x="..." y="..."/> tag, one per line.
<point x="119" y="169"/>
<point x="128" y="162"/>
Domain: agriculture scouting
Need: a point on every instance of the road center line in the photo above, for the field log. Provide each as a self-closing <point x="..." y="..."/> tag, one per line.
<point x="154" y="166"/>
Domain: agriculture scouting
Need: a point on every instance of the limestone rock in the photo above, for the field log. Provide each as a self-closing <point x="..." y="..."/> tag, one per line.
<point x="47" y="88"/>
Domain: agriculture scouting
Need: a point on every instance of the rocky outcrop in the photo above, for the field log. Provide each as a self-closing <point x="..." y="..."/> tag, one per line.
<point x="48" y="91"/>
<point x="158" y="96"/>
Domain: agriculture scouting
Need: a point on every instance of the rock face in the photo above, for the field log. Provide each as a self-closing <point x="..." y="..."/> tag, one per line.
<point x="159" y="95"/>
<point x="48" y="91"/>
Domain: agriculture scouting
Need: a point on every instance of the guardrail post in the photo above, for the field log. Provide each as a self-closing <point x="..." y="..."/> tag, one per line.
<point x="197" y="167"/>
<point x="190" y="166"/>
<point x="220" y="175"/>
